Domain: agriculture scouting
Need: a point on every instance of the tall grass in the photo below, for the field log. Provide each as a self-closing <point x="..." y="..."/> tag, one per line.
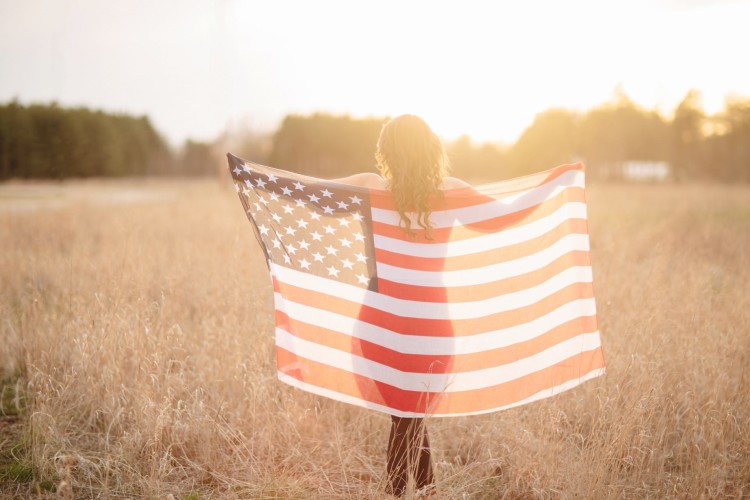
<point x="143" y="335"/>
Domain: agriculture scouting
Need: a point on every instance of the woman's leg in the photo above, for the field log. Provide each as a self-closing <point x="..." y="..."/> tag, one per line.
<point x="408" y="454"/>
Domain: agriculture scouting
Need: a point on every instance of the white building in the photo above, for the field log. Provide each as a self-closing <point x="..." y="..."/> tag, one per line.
<point x="646" y="170"/>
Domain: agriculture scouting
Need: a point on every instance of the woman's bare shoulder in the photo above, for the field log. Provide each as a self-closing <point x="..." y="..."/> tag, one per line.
<point x="366" y="179"/>
<point x="453" y="183"/>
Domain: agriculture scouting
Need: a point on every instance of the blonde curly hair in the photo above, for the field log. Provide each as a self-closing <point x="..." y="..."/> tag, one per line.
<point x="411" y="157"/>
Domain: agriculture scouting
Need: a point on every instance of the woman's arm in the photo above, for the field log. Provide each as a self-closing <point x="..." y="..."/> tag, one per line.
<point x="453" y="183"/>
<point x="370" y="180"/>
<point x="366" y="179"/>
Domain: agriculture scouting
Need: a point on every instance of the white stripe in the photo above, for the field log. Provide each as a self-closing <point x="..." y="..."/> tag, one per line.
<point x="438" y="382"/>
<point x="425" y="344"/>
<point x="485" y="241"/>
<point x="490" y="210"/>
<point x="346" y="398"/>
<point x="323" y="285"/>
<point x="440" y="310"/>
<point x="485" y="274"/>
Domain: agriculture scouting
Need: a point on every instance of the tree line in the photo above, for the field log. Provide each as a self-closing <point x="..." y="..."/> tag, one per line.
<point x="45" y="140"/>
<point x="48" y="141"/>
<point x="696" y="146"/>
<point x="605" y="138"/>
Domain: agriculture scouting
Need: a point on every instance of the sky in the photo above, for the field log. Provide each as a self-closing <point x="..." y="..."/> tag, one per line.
<point x="480" y="68"/>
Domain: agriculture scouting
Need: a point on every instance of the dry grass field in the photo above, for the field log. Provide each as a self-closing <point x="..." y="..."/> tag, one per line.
<point x="137" y="360"/>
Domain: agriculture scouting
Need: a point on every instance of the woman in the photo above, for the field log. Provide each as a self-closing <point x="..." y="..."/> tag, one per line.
<point x="413" y="166"/>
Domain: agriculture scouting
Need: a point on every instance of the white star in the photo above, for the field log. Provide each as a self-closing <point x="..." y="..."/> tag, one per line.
<point x="356" y="200"/>
<point x="316" y="236"/>
<point x="286" y="191"/>
<point x="263" y="200"/>
<point x="314" y="215"/>
<point x="317" y="257"/>
<point x="236" y="187"/>
<point x="329" y="229"/>
<point x="299" y="186"/>
<point x="272" y="178"/>
<point x="288" y="209"/>
<point x="276" y="217"/>
<point x="260" y="182"/>
<point x="290" y="230"/>
<point x="361" y="257"/>
<point x="257" y="206"/>
<point x="300" y="202"/>
<point x="331" y="250"/>
<point x="245" y="191"/>
<point x="245" y="168"/>
<point x="290" y="249"/>
<point x="327" y="209"/>
<point x="344" y="222"/>
<point x="362" y="279"/>
<point x="248" y="183"/>
<point x="303" y="244"/>
<point x="287" y="259"/>
<point x="345" y="243"/>
<point x="347" y="263"/>
<point x="332" y="271"/>
<point x="313" y="198"/>
<point x="263" y="230"/>
<point x="326" y="193"/>
<point x="302" y="223"/>
<point x="304" y="264"/>
<point x="357" y="216"/>
<point x="359" y="236"/>
<point x="343" y="205"/>
<point x="274" y="196"/>
<point x="237" y="170"/>
<point x="276" y="243"/>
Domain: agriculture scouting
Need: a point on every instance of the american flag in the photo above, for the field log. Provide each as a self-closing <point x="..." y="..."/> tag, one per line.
<point x="495" y="309"/>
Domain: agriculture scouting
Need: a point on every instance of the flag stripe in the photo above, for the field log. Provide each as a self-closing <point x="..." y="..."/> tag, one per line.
<point x="460" y="327"/>
<point x="434" y="363"/>
<point x="434" y="403"/>
<point x="436" y="381"/>
<point x="358" y="401"/>
<point x="419" y="325"/>
<point x="468" y="306"/>
<point x="304" y="286"/>
<point x="461" y="230"/>
<point x="484" y="242"/>
<point x="403" y="294"/>
<point x="488" y="273"/>
<point x="487" y="257"/>
<point x="425" y="343"/>
<point x="484" y="291"/>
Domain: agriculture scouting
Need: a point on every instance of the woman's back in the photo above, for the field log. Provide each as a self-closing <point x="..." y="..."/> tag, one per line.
<point x="413" y="164"/>
<point x="374" y="181"/>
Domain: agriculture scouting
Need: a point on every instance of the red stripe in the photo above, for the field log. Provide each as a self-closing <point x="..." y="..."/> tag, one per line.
<point x="484" y="290"/>
<point x="485" y="258"/>
<point x="431" y="363"/>
<point x="434" y="327"/>
<point x="479" y="228"/>
<point x="358" y="386"/>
